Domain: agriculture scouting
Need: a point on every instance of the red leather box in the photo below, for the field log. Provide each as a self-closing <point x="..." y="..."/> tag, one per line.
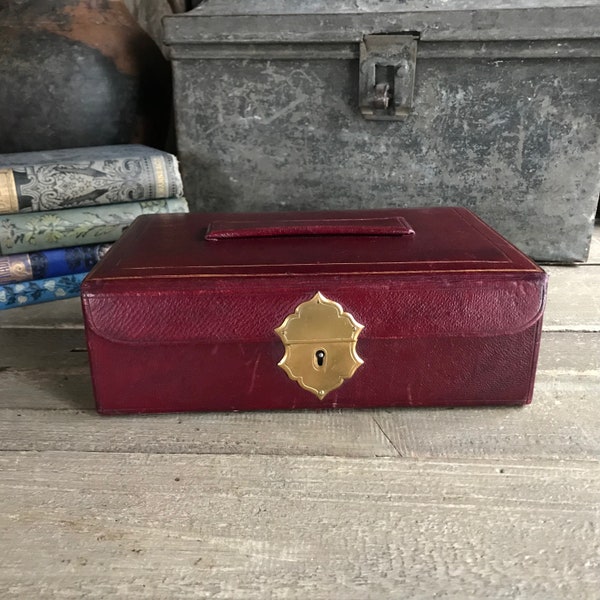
<point x="217" y="312"/>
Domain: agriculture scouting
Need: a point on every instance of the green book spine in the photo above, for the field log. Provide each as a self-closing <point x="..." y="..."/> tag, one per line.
<point x="63" y="179"/>
<point x="24" y="232"/>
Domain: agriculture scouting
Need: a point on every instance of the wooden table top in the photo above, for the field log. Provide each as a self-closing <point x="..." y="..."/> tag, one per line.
<point x="473" y="503"/>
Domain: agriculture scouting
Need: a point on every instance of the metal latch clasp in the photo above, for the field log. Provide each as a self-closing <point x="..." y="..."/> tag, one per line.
<point x="320" y="345"/>
<point x="387" y="76"/>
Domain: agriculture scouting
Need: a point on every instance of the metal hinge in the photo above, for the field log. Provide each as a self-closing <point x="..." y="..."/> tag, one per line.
<point x="387" y="76"/>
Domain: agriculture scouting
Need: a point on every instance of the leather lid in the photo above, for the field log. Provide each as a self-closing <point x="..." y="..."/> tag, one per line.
<point x="163" y="282"/>
<point x="443" y="240"/>
<point x="387" y="309"/>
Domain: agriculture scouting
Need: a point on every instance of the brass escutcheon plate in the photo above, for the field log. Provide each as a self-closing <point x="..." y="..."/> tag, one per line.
<point x="320" y="345"/>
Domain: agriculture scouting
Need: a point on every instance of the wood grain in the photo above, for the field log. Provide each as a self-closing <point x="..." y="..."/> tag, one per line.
<point x="54" y="350"/>
<point x="563" y="423"/>
<point x="51" y="315"/>
<point x="449" y="504"/>
<point x="45" y="349"/>
<point x="350" y="433"/>
<point x="53" y="410"/>
<point x="154" y="526"/>
<point x="573" y="299"/>
<point x="61" y="389"/>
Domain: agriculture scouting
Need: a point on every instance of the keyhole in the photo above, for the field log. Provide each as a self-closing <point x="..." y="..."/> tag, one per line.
<point x="320" y="356"/>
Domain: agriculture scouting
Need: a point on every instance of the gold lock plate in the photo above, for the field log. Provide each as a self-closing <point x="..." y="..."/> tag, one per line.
<point x="320" y="345"/>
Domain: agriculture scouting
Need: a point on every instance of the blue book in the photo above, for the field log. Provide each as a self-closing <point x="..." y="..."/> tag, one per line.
<point x="13" y="295"/>
<point x="50" y="263"/>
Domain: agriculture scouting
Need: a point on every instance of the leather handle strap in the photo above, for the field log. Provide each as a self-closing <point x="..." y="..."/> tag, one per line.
<point x="224" y="230"/>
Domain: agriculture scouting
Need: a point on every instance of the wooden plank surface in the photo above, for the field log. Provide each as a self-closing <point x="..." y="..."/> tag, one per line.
<point x="45" y="349"/>
<point x="300" y="433"/>
<point x="563" y="423"/>
<point x="379" y="504"/>
<point x="91" y="525"/>
<point x="63" y="351"/>
<point x="47" y="408"/>
<point x="63" y="314"/>
<point x="573" y="299"/>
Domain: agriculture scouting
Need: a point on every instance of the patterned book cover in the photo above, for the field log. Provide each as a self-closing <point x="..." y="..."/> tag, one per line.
<point x="25" y="232"/>
<point x="13" y="295"/>
<point x="50" y="263"/>
<point x="62" y="179"/>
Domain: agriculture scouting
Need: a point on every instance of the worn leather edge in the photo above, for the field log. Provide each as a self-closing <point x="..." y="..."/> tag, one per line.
<point x="91" y="324"/>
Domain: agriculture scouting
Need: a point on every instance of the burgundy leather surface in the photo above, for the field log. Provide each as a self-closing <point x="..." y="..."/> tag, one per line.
<point x="252" y="228"/>
<point x="174" y="322"/>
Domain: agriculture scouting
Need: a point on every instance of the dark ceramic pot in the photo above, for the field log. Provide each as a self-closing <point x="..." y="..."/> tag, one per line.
<point x="78" y="73"/>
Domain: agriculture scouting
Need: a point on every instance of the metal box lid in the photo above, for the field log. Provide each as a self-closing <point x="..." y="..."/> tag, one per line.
<point x="347" y="21"/>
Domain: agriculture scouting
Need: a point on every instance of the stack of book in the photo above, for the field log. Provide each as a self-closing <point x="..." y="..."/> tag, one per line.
<point x="61" y="210"/>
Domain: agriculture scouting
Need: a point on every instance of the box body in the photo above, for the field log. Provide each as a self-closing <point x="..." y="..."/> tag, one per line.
<point x="451" y="313"/>
<point x="503" y="119"/>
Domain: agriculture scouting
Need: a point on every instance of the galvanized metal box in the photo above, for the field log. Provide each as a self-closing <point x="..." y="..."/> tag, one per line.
<point x="313" y="104"/>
